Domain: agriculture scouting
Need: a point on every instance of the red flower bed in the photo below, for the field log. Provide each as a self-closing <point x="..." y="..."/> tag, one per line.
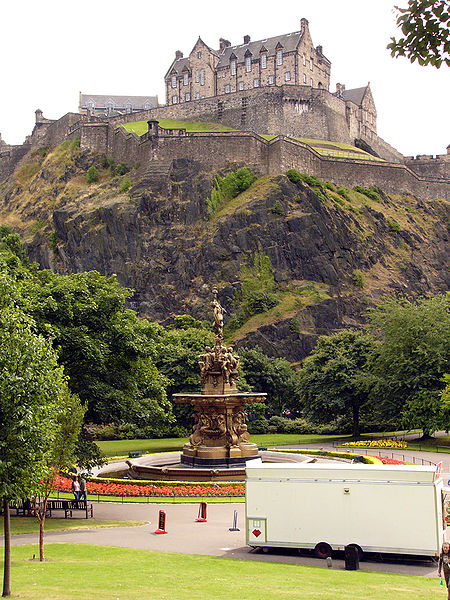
<point x="64" y="484"/>
<point x="390" y="461"/>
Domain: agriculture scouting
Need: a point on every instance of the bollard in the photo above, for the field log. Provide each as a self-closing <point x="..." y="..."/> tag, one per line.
<point x="329" y="562"/>
<point x="201" y="518"/>
<point x="161" y="523"/>
<point x="235" y="518"/>
<point x="351" y="558"/>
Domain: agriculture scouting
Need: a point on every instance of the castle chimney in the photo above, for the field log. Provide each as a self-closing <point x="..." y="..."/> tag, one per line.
<point x="39" y="115"/>
<point x="319" y="50"/>
<point x="178" y="54"/>
<point x="340" y="88"/>
<point x="303" y="25"/>
<point x="246" y="39"/>
<point x="224" y="44"/>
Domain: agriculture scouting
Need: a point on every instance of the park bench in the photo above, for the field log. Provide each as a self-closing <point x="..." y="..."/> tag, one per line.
<point x="25" y="509"/>
<point x="68" y="506"/>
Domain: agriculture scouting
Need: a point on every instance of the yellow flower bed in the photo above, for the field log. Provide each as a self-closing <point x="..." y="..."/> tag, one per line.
<point x="398" y="444"/>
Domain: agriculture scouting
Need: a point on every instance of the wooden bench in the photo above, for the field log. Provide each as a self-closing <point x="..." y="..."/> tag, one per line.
<point x="26" y="509"/>
<point x="68" y="506"/>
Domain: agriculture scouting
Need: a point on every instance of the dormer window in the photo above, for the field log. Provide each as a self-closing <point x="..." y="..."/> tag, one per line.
<point x="304" y="60"/>
<point x="174" y="81"/>
<point x="248" y="64"/>
<point x="263" y="61"/>
<point x="185" y="79"/>
<point x="233" y="67"/>
<point x="279" y="57"/>
<point x="199" y="54"/>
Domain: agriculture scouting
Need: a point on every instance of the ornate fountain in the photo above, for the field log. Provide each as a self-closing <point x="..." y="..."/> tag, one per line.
<point x="220" y="443"/>
<point x="220" y="437"/>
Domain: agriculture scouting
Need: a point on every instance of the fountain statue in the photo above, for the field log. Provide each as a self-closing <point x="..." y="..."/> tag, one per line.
<point x="220" y="437"/>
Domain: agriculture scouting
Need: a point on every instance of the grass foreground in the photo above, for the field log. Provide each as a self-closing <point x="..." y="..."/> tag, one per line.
<point x="126" y="574"/>
<point x="31" y="525"/>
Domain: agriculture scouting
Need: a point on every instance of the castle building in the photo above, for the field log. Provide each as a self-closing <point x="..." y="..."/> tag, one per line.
<point x="289" y="59"/>
<point x="107" y="106"/>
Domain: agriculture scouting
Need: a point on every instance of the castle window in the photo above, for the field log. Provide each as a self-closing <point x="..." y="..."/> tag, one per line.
<point x="248" y="64"/>
<point x="279" y="57"/>
<point x="311" y="64"/>
<point x="256" y="82"/>
<point x="287" y="76"/>
<point x="174" y="81"/>
<point x="304" y="78"/>
<point x="199" y="54"/>
<point x="174" y="99"/>
<point x="227" y="89"/>
<point x="197" y="96"/>
<point x="270" y="79"/>
<point x="304" y="60"/>
<point x="202" y="77"/>
<point x="187" y="96"/>
<point x="197" y="76"/>
<point x="311" y="82"/>
<point x="263" y="61"/>
<point x="233" y="67"/>
<point x="241" y="85"/>
<point x="129" y="109"/>
<point x="185" y="79"/>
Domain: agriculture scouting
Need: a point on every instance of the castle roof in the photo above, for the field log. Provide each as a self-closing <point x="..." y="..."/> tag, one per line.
<point x="120" y="102"/>
<point x="179" y="66"/>
<point x="356" y="95"/>
<point x="287" y="42"/>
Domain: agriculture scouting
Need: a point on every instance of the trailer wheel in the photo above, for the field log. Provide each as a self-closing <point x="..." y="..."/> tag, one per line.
<point x="322" y="550"/>
<point x="358" y="550"/>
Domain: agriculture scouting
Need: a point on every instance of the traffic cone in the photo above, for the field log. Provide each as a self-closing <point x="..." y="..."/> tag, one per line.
<point x="201" y="518"/>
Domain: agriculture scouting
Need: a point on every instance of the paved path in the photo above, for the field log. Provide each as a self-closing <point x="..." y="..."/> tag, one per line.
<point x="212" y="538"/>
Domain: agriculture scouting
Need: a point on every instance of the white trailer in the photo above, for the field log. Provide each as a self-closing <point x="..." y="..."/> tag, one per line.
<point x="325" y="507"/>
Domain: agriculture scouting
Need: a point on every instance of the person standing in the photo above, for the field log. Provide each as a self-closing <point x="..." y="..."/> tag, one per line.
<point x="83" y="492"/>
<point x="444" y="565"/>
<point x="76" y="488"/>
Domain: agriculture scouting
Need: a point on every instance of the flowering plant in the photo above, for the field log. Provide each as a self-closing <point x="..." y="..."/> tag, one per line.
<point x="377" y="444"/>
<point x="159" y="489"/>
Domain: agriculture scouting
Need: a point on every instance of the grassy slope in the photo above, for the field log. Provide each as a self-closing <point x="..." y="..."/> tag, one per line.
<point x="31" y="524"/>
<point x="122" y="573"/>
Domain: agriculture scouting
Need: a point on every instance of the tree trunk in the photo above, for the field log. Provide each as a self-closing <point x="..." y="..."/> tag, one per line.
<point x="41" y="538"/>
<point x="355" y="411"/>
<point x="7" y="566"/>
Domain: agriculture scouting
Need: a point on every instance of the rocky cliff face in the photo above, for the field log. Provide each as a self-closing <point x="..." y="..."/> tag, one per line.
<point x="332" y="254"/>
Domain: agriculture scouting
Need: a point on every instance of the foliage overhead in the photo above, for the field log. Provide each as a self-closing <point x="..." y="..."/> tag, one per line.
<point x="425" y="25"/>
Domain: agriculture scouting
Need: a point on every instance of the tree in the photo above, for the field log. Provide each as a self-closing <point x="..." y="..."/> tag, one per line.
<point x="335" y="378"/>
<point x="60" y="456"/>
<point x="425" y="27"/>
<point x="412" y="358"/>
<point x="274" y="376"/>
<point x="32" y="389"/>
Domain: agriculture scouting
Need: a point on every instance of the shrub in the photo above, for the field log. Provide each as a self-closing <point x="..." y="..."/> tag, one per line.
<point x="258" y="302"/>
<point x="107" y="163"/>
<point x="121" y="169"/>
<point x="393" y="226"/>
<point x="299" y="426"/>
<point x="278" y="423"/>
<point x="373" y="193"/>
<point x="91" y="175"/>
<point x="277" y="209"/>
<point x="228" y="187"/>
<point x="344" y="192"/>
<point x="358" y="278"/>
<point x="328" y="186"/>
<point x="125" y="185"/>
<point x="258" y="425"/>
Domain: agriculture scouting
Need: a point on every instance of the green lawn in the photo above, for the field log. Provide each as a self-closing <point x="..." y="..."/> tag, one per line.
<point x="122" y="447"/>
<point x="31" y="524"/>
<point x="141" y="127"/>
<point x="106" y="573"/>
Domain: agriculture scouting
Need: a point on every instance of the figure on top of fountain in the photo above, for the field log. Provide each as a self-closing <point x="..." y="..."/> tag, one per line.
<point x="219" y="365"/>
<point x="219" y="311"/>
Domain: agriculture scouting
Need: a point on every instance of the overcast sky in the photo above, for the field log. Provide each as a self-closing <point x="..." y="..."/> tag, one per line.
<point x="53" y="49"/>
